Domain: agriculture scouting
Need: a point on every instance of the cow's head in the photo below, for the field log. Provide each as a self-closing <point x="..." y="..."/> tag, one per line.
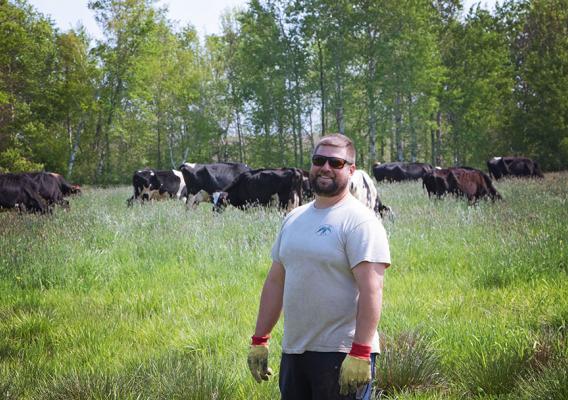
<point x="187" y="165"/>
<point x="220" y="201"/>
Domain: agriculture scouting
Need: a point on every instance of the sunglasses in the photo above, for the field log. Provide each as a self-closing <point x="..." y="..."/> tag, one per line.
<point x="334" y="162"/>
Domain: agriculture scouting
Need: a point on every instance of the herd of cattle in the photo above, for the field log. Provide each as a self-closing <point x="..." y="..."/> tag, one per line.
<point x="460" y="181"/>
<point x="239" y="185"/>
<point x="35" y="191"/>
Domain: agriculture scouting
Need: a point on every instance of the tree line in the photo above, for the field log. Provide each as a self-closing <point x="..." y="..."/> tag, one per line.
<point x="409" y="80"/>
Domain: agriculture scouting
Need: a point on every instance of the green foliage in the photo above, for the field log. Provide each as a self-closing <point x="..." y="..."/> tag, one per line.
<point x="12" y="160"/>
<point x="407" y="80"/>
<point x="480" y="82"/>
<point x="540" y="117"/>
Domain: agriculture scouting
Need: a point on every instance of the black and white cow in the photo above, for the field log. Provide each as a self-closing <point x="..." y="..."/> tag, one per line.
<point x="363" y="188"/>
<point x="141" y="185"/>
<point x="257" y="187"/>
<point x="150" y="184"/>
<point x="167" y="184"/>
<point x="202" y="179"/>
<point x="20" y="191"/>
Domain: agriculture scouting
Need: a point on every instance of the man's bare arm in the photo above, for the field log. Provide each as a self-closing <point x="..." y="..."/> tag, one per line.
<point x="369" y="279"/>
<point x="271" y="300"/>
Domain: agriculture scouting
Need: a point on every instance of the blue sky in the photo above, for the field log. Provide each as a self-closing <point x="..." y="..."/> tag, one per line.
<point x="203" y="14"/>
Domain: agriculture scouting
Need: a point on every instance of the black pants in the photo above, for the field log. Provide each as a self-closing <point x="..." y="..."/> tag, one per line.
<point x="315" y="376"/>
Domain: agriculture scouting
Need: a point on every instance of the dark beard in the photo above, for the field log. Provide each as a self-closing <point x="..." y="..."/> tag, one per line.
<point x="326" y="191"/>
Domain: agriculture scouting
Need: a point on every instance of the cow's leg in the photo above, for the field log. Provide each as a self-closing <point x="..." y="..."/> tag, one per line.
<point x="293" y="202"/>
<point x="130" y="201"/>
<point x="190" y="202"/>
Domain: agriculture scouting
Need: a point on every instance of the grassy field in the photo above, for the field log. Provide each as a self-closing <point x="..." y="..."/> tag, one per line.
<point x="155" y="302"/>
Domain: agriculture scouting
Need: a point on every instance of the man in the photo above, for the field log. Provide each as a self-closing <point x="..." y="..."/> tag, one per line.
<point x="327" y="275"/>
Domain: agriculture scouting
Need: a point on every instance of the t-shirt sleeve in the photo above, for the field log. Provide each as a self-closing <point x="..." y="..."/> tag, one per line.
<point x="275" y="252"/>
<point x="368" y="242"/>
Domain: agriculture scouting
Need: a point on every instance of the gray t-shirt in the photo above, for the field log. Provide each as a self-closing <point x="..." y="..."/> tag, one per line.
<point x="318" y="248"/>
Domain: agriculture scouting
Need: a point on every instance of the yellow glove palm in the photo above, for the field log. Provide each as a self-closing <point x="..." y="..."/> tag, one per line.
<point x="258" y="362"/>
<point x="355" y="372"/>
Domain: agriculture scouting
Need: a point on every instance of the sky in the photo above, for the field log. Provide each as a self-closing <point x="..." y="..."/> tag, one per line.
<point x="203" y="14"/>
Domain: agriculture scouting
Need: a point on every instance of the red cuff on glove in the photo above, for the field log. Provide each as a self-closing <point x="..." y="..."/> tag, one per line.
<point x="360" y="351"/>
<point x="260" y="340"/>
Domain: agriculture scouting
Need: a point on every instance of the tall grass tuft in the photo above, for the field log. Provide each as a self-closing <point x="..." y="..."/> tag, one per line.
<point x="492" y="366"/>
<point x="408" y="361"/>
<point x="174" y="376"/>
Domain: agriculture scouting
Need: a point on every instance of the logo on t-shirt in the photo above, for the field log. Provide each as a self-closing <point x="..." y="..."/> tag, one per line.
<point x="324" y="230"/>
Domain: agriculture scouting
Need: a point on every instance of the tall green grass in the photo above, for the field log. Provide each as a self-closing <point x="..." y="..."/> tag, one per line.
<point x="109" y="302"/>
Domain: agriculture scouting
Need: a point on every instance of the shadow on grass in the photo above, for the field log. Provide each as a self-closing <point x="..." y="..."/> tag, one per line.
<point x="174" y="376"/>
<point x="8" y="390"/>
<point x="549" y="383"/>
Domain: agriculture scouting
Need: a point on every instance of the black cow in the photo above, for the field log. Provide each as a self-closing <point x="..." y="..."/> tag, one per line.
<point x="500" y="167"/>
<point x="66" y="188"/>
<point x="257" y="187"/>
<point x="400" y="171"/>
<point x="307" y="193"/>
<point x="436" y="182"/>
<point x="52" y="187"/>
<point x="471" y="183"/>
<point x="209" y="178"/>
<point x="20" y="191"/>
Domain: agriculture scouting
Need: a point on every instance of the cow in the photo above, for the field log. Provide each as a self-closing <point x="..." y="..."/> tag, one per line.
<point x="500" y="167"/>
<point x="66" y="188"/>
<point x="20" y="191"/>
<point x="51" y="187"/>
<point x="141" y="185"/>
<point x="150" y="184"/>
<point x="167" y="184"/>
<point x="257" y="187"/>
<point x="209" y="178"/>
<point x="400" y="171"/>
<point x="307" y="193"/>
<point x="362" y="187"/>
<point x="472" y="184"/>
<point x="436" y="182"/>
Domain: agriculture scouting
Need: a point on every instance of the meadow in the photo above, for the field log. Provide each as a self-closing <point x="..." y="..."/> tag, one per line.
<point x="156" y="302"/>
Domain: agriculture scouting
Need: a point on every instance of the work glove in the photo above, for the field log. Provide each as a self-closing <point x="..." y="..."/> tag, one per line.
<point x="258" y="358"/>
<point x="355" y="369"/>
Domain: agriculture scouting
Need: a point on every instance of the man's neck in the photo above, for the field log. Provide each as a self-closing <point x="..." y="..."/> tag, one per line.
<point x="326" y="202"/>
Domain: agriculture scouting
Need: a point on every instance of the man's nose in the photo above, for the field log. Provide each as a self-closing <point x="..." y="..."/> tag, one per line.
<point x="326" y="165"/>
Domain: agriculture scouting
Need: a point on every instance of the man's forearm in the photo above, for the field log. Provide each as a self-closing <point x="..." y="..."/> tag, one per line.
<point x="369" y="278"/>
<point x="368" y="316"/>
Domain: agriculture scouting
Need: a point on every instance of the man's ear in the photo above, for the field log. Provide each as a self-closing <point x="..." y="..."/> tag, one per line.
<point x="352" y="169"/>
